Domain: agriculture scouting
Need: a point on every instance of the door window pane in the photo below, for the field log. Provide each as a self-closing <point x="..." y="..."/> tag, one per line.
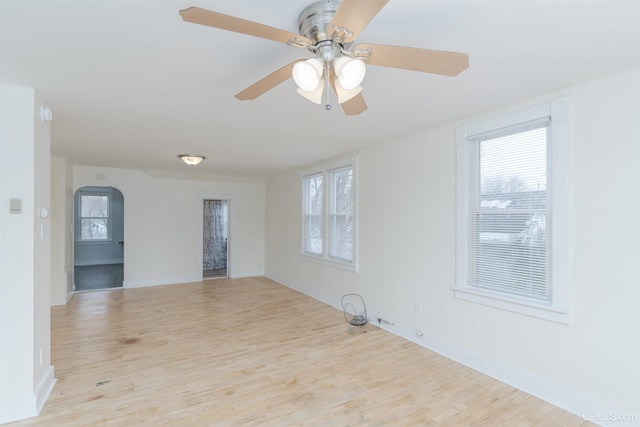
<point x="95" y="206"/>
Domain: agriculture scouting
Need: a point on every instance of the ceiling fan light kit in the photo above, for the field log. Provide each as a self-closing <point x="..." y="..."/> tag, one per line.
<point x="328" y="28"/>
<point x="345" y="95"/>
<point x="314" y="96"/>
<point x="350" y="72"/>
<point x="307" y="74"/>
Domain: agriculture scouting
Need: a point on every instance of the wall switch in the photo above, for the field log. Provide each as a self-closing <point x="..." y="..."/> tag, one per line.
<point x="418" y="306"/>
<point x="41" y="355"/>
<point x="15" y="206"/>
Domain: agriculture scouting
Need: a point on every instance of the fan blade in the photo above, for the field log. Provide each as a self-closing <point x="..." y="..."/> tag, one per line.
<point x="200" y="16"/>
<point x="267" y="83"/>
<point x="354" y="15"/>
<point x="354" y="106"/>
<point x="411" y="58"/>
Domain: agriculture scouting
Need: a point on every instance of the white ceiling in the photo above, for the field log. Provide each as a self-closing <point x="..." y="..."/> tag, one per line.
<point x="131" y="85"/>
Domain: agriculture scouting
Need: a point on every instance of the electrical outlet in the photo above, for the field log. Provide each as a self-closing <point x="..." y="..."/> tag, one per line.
<point x="418" y="306"/>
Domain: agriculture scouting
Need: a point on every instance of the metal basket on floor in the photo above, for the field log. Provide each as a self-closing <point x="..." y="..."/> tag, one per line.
<point x="355" y="311"/>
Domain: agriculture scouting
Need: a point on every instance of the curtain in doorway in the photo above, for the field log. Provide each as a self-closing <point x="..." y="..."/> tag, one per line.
<point x="215" y="235"/>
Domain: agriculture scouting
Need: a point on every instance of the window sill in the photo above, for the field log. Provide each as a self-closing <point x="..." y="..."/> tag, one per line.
<point x="94" y="242"/>
<point x="329" y="262"/>
<point x="514" y="304"/>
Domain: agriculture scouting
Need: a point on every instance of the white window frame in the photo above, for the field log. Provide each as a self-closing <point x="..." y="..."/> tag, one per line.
<point x="94" y="191"/>
<point x="328" y="191"/>
<point x="558" y="162"/>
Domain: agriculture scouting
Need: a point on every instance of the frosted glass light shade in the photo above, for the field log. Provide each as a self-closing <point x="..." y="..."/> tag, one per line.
<point x="350" y="72"/>
<point x="191" y="159"/>
<point x="307" y="74"/>
<point x="344" y="95"/>
<point x="314" y="96"/>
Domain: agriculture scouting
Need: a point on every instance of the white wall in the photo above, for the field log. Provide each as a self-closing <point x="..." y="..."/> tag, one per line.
<point x="43" y="371"/>
<point x="407" y="192"/>
<point x="161" y="224"/>
<point x="61" y="234"/>
<point x="26" y="374"/>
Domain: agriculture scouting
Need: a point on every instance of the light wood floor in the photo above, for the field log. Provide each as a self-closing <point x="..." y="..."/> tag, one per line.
<point x="250" y="352"/>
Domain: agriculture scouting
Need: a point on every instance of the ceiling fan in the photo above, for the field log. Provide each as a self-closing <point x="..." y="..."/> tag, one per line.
<point x="328" y="29"/>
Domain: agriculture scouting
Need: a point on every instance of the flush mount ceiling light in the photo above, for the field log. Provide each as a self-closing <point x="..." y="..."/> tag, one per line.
<point x="191" y="159"/>
<point x="328" y="29"/>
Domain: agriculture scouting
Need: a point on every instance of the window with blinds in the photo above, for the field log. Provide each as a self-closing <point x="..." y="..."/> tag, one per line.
<point x="312" y="212"/>
<point x="513" y="211"/>
<point x="329" y="214"/>
<point x="341" y="214"/>
<point x="509" y="212"/>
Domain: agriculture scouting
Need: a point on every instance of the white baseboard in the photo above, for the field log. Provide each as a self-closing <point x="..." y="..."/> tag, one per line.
<point x="570" y="400"/>
<point x="28" y="406"/>
<point x="243" y="274"/>
<point x="17" y="409"/>
<point x="130" y="284"/>
<point x="303" y="291"/>
<point x="99" y="262"/>
<point x="44" y="389"/>
<point x="62" y="301"/>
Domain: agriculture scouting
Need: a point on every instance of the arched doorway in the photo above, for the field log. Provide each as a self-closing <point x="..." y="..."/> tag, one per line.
<point x="98" y="238"/>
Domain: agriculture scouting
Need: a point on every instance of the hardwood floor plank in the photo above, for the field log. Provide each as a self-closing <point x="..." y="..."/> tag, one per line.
<point x="248" y="352"/>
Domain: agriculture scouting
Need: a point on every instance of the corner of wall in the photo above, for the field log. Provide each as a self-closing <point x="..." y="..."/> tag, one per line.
<point x="30" y="405"/>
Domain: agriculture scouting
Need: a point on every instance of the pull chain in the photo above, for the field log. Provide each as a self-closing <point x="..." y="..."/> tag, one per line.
<point x="327" y="88"/>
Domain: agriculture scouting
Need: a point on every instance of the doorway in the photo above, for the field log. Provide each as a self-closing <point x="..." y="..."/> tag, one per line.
<point x="98" y="238"/>
<point x="215" y="239"/>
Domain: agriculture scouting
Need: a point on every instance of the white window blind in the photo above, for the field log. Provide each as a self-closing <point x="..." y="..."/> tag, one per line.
<point x="341" y="214"/>
<point x="313" y="209"/>
<point x="509" y="215"/>
<point x="329" y="217"/>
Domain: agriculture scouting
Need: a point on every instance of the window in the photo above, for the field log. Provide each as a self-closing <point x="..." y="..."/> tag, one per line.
<point x="313" y="205"/>
<point x="94" y="215"/>
<point x="329" y="220"/>
<point x="512" y="244"/>
<point x="341" y="214"/>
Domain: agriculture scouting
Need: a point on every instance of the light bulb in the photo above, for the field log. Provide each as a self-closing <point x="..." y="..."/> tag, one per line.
<point x="315" y="95"/>
<point x="307" y="74"/>
<point x="350" y="72"/>
<point x="191" y="159"/>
